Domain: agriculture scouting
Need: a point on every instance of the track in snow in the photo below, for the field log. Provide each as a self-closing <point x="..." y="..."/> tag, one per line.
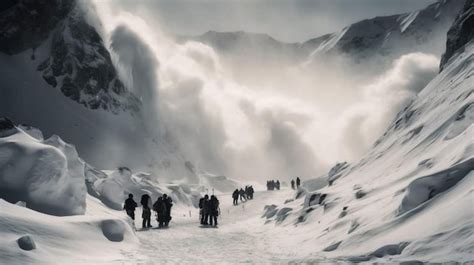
<point x="241" y="236"/>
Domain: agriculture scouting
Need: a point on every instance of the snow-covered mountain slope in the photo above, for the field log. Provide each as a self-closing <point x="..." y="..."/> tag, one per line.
<point x="392" y="36"/>
<point x="76" y="60"/>
<point x="244" y="46"/>
<point x="57" y="75"/>
<point x="410" y="197"/>
<point x="388" y="36"/>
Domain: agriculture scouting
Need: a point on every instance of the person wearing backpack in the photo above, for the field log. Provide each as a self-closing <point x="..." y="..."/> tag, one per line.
<point x="129" y="206"/>
<point x="160" y="208"/>
<point x="146" y="213"/>
<point x="205" y="209"/>
<point x="213" y="210"/>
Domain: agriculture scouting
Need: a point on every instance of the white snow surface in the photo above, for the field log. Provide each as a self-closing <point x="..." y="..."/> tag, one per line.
<point x="48" y="175"/>
<point x="411" y="196"/>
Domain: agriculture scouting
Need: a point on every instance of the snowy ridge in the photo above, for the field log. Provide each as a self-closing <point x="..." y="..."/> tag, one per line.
<point x="388" y="36"/>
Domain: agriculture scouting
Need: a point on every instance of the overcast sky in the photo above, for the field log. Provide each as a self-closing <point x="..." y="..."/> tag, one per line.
<point x="288" y="20"/>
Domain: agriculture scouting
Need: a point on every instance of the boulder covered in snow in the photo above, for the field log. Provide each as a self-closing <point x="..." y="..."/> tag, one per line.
<point x="47" y="175"/>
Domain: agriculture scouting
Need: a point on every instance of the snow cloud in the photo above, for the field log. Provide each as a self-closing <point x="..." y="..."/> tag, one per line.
<point x="294" y="121"/>
<point x="381" y="100"/>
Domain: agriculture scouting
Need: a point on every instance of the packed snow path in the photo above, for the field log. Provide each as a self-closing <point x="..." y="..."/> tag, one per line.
<point x="241" y="236"/>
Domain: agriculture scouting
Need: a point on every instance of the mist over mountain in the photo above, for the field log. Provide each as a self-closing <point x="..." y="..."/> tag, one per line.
<point x="133" y="89"/>
<point x="363" y="136"/>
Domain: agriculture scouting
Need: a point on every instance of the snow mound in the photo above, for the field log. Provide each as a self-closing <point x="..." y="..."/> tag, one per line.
<point x="315" y="184"/>
<point x="47" y="175"/>
<point x="113" y="187"/>
<point x="219" y="183"/>
<point x="424" y="189"/>
<point x="80" y="239"/>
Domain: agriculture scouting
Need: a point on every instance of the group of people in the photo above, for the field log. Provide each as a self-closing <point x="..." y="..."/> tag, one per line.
<point x="209" y="210"/>
<point x="272" y="185"/>
<point x="244" y="195"/>
<point x="162" y="208"/>
<point x="298" y="183"/>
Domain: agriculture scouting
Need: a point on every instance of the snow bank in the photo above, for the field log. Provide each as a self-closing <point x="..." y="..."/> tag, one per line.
<point x="47" y="175"/>
<point x="219" y="183"/>
<point x="424" y="189"/>
<point x="30" y="237"/>
<point x="113" y="187"/>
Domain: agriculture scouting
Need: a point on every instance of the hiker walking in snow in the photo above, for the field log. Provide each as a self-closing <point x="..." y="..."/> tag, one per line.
<point x="203" y="205"/>
<point x="298" y="182"/>
<point x="277" y="185"/>
<point x="169" y="204"/>
<point x="250" y="193"/>
<point x="146" y="213"/>
<point x="161" y="212"/>
<point x="213" y="210"/>
<point x="235" y="197"/>
<point x="129" y="206"/>
<point x="293" y="184"/>
<point x="242" y="194"/>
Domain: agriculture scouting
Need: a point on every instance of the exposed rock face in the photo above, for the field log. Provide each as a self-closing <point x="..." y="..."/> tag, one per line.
<point x="25" y="24"/>
<point x="461" y="32"/>
<point x="78" y="63"/>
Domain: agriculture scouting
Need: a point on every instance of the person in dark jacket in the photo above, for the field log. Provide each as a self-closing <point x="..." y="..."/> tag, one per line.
<point x="235" y="196"/>
<point x="129" y="206"/>
<point x="298" y="182"/>
<point x="213" y="210"/>
<point x="205" y="210"/>
<point x="242" y="194"/>
<point x="160" y="208"/>
<point x="277" y="185"/>
<point x="293" y="184"/>
<point x="146" y="213"/>
<point x="169" y="204"/>
<point x="201" y="210"/>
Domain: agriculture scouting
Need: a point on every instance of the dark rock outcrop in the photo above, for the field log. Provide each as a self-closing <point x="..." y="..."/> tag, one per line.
<point x="78" y="62"/>
<point x="461" y="32"/>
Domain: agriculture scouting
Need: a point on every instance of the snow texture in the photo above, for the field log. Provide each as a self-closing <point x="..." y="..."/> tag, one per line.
<point x="48" y="175"/>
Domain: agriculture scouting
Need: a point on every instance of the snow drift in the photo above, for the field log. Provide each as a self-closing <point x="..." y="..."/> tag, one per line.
<point x="48" y="175"/>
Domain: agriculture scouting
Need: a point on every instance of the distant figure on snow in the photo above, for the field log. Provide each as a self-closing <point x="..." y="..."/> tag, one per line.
<point x="129" y="206"/>
<point x="169" y="204"/>
<point x="235" y="197"/>
<point x="277" y="185"/>
<point x="213" y="210"/>
<point x="293" y="184"/>
<point x="249" y="190"/>
<point x="298" y="182"/>
<point x="204" y="209"/>
<point x="146" y="213"/>
<point x="242" y="194"/>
